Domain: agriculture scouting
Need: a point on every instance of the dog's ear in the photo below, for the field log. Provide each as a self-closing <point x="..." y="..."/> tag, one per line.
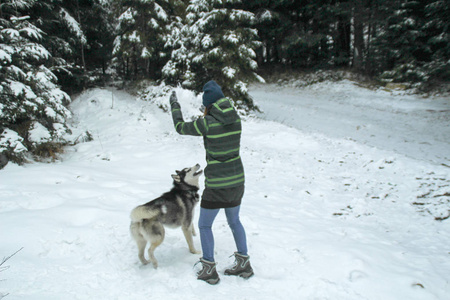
<point x="176" y="177"/>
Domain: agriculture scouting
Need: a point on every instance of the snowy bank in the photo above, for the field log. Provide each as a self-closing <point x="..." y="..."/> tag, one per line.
<point x="327" y="217"/>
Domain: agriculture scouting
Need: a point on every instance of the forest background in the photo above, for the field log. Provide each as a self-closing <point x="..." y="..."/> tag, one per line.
<point x="51" y="50"/>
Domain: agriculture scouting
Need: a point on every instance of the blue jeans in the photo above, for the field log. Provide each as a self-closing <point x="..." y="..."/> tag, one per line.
<point x="205" y="222"/>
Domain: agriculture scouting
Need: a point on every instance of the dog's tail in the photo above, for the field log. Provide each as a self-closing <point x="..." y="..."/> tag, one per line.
<point x="143" y="212"/>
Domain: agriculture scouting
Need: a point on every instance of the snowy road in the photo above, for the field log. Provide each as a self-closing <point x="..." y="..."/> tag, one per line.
<point x="415" y="127"/>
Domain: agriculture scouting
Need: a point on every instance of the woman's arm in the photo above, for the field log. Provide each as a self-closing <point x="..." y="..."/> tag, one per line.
<point x="197" y="128"/>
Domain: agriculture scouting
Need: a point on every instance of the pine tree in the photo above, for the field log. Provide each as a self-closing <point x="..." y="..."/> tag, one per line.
<point x="313" y="43"/>
<point x="437" y="29"/>
<point x="217" y="42"/>
<point x="97" y="21"/>
<point x="174" y="71"/>
<point x="64" y="38"/>
<point x="139" y="45"/>
<point x="277" y="28"/>
<point x="303" y="33"/>
<point x="79" y="36"/>
<point x="403" y="48"/>
<point x="32" y="107"/>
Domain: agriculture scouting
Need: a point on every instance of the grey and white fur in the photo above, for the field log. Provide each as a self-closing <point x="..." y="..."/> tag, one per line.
<point x="172" y="209"/>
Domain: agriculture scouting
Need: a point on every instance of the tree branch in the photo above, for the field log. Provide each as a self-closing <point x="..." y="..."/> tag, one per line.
<point x="5" y="259"/>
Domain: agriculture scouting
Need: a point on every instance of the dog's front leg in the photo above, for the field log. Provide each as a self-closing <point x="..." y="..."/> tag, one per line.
<point x="188" y="235"/>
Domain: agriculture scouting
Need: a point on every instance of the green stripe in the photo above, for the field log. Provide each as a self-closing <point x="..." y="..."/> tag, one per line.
<point x="225" y="184"/>
<point x="176" y="126"/>
<point x="196" y="128"/>
<point x="213" y="162"/>
<point x="175" y="109"/>
<point x="216" y="136"/>
<point x="223" y="152"/>
<point x="221" y="124"/>
<point x="182" y="127"/>
<point x="225" y="178"/>
<point x="221" y="101"/>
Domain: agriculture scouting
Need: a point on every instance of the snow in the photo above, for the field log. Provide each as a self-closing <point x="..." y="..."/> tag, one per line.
<point x="32" y="32"/>
<point x="18" y="73"/>
<point x="328" y="210"/>
<point x="229" y="72"/>
<point x="11" y="139"/>
<point x="134" y="37"/>
<point x="238" y="14"/>
<point x="45" y="77"/>
<point x="127" y="16"/>
<point x="20" y="88"/>
<point x="38" y="133"/>
<point x="246" y="52"/>
<point x="73" y="25"/>
<point x="36" y="51"/>
<point x="4" y="56"/>
<point x="13" y="33"/>
<point x="207" y="41"/>
<point x="160" y="12"/>
<point x="266" y="16"/>
<point x="232" y="38"/>
<point x="153" y="23"/>
<point x="414" y="127"/>
<point x="145" y="53"/>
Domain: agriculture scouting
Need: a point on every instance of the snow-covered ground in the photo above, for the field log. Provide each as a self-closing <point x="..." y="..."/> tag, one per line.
<point x="388" y="120"/>
<point x="347" y="195"/>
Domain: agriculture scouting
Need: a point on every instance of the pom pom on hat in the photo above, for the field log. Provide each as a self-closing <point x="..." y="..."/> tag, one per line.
<point x="211" y="93"/>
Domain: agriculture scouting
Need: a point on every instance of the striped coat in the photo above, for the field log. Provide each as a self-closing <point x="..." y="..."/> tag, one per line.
<point x="221" y="131"/>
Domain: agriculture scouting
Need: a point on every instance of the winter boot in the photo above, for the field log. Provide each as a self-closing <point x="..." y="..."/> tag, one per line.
<point x="208" y="272"/>
<point x="242" y="267"/>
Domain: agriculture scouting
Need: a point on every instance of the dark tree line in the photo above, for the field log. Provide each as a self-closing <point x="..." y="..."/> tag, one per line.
<point x="400" y="40"/>
<point x="52" y="48"/>
<point x="391" y="40"/>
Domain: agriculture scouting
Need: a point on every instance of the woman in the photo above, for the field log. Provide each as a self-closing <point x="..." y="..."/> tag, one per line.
<point x="224" y="176"/>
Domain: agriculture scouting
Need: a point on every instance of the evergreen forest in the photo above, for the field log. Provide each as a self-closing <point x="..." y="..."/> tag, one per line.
<point x="53" y="49"/>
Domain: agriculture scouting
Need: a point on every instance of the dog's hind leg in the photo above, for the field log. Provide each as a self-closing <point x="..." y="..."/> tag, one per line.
<point x="141" y="247"/>
<point x="156" y="237"/>
<point x="188" y="232"/>
<point x="140" y="241"/>
<point x="151" y="253"/>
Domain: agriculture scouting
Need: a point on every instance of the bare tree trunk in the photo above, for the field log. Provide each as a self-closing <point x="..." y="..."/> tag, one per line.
<point x="342" y="42"/>
<point x="358" y="49"/>
<point x="83" y="62"/>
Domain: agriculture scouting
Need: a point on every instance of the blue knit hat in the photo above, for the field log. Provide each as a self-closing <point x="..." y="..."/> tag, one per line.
<point x="211" y="93"/>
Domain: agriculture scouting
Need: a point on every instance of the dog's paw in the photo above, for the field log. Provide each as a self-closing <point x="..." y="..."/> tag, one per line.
<point x="195" y="251"/>
<point x="144" y="261"/>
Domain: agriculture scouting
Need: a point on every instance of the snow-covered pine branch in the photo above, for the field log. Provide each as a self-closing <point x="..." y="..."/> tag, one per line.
<point x="140" y="43"/>
<point x="73" y="25"/>
<point x="215" y="42"/>
<point x="30" y="99"/>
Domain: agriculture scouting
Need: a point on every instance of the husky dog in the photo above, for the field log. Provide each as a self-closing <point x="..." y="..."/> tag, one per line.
<point x="173" y="209"/>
